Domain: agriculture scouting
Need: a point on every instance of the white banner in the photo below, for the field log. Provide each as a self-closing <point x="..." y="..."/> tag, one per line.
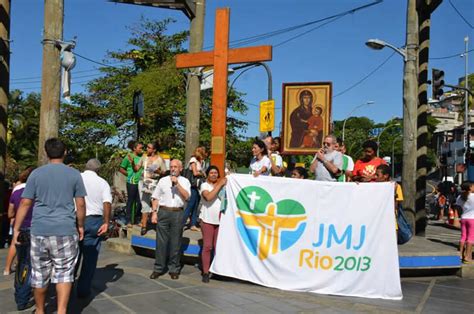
<point x="304" y="235"/>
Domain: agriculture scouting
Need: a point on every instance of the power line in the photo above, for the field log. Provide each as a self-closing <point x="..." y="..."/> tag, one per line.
<point x="39" y="81"/>
<point x="255" y="38"/>
<point x="96" y="62"/>
<point x="39" y="87"/>
<point x="365" y="77"/>
<point x="306" y="32"/>
<point x="460" y="15"/>
<point x="451" y="56"/>
<point x="39" y="76"/>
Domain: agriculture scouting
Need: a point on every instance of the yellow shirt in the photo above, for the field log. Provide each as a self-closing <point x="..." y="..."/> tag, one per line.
<point x="398" y="192"/>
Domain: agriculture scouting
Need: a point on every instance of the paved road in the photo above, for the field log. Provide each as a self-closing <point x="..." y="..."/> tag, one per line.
<point x="121" y="285"/>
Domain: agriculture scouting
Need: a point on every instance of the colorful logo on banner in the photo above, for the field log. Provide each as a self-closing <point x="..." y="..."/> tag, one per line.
<point x="265" y="226"/>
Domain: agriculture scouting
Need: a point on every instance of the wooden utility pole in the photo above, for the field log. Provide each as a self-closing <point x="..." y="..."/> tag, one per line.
<point x="51" y="74"/>
<point x="220" y="58"/>
<point x="424" y="9"/>
<point x="4" y="92"/>
<point x="193" y="104"/>
<point x="410" y="107"/>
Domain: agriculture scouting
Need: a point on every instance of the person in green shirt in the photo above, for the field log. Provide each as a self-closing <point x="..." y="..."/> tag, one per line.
<point x="347" y="162"/>
<point x="127" y="168"/>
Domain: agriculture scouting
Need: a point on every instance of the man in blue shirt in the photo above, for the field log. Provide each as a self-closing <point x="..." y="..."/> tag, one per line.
<point x="53" y="189"/>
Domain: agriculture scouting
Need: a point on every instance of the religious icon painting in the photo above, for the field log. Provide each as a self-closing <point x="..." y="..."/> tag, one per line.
<point x="306" y="116"/>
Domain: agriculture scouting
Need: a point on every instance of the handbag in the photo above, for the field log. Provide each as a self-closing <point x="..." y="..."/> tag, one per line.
<point x="404" y="233"/>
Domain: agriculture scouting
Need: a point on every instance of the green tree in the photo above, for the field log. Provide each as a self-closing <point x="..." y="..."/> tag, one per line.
<point x="357" y="131"/>
<point x="23" y="127"/>
<point x="103" y="114"/>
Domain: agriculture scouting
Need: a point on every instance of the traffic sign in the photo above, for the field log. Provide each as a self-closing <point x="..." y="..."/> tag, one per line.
<point x="267" y="116"/>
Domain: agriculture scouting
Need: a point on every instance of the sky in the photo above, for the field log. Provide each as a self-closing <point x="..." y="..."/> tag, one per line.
<point x="335" y="52"/>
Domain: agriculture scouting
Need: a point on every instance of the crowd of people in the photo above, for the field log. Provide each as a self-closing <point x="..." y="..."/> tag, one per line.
<point x="65" y="214"/>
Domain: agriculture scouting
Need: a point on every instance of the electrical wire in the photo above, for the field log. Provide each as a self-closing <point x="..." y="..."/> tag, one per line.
<point x="39" y="87"/>
<point x="259" y="37"/>
<point x="96" y="62"/>
<point x="365" y="77"/>
<point x="460" y="15"/>
<point x="306" y="32"/>
<point x="39" y="81"/>
<point x="451" y="56"/>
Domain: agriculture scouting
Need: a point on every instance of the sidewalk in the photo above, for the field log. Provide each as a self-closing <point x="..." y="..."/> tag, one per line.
<point x="121" y="285"/>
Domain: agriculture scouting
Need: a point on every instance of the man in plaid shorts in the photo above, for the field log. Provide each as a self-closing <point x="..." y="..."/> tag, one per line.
<point x="52" y="189"/>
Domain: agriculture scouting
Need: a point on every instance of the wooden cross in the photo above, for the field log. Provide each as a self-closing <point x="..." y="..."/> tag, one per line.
<point x="220" y="58"/>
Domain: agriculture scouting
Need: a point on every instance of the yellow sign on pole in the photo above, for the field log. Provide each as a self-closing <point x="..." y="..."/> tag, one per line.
<point x="267" y="116"/>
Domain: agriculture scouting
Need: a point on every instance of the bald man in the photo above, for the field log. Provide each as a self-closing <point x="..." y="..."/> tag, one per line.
<point x="169" y="197"/>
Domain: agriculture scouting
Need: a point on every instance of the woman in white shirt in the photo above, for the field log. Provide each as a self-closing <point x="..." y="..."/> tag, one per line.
<point x="260" y="163"/>
<point x="466" y="201"/>
<point x="210" y="211"/>
<point x="194" y="175"/>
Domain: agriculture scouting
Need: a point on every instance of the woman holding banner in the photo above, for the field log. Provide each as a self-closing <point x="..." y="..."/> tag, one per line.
<point x="210" y="214"/>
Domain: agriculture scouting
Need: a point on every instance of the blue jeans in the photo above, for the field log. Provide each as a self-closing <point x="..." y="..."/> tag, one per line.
<point x="192" y="207"/>
<point x="89" y="251"/>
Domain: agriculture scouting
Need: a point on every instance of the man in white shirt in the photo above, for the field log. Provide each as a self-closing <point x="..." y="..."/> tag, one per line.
<point x="98" y="208"/>
<point x="170" y="197"/>
<point x="327" y="162"/>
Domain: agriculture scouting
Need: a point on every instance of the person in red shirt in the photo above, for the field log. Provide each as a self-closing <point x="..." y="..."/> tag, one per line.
<point x="365" y="168"/>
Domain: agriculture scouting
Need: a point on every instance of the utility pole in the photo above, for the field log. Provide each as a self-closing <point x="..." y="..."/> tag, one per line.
<point x="51" y="74"/>
<point x="467" y="134"/>
<point x="410" y="94"/>
<point x="4" y="92"/>
<point x="424" y="8"/>
<point x="193" y="103"/>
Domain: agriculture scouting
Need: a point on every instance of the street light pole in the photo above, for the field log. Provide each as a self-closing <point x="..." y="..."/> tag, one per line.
<point x="410" y="106"/>
<point x="370" y="102"/>
<point x="380" y="134"/>
<point x="410" y="110"/>
<point x="467" y="136"/>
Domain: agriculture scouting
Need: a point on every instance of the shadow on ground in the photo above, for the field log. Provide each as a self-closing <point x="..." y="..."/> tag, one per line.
<point x="102" y="277"/>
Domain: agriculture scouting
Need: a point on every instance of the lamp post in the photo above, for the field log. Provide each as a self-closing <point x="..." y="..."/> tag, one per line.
<point x="380" y="134"/>
<point x="251" y="66"/>
<point x="410" y="106"/>
<point x="378" y="44"/>
<point x="370" y="102"/>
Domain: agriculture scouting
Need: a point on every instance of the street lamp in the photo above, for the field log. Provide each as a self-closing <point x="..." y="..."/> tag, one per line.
<point x="380" y="134"/>
<point x="370" y="102"/>
<point x="378" y="44"/>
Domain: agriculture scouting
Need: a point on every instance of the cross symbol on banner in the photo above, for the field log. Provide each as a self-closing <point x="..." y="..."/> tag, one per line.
<point x="253" y="198"/>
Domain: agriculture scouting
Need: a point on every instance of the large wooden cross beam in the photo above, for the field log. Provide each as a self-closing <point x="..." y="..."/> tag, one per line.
<point x="220" y="58"/>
